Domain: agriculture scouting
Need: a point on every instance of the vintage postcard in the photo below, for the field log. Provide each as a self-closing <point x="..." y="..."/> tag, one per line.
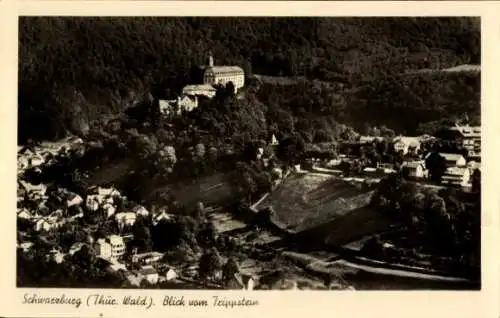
<point x="239" y="158"/>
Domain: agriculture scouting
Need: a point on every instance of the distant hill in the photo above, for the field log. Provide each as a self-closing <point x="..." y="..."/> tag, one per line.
<point x="73" y="70"/>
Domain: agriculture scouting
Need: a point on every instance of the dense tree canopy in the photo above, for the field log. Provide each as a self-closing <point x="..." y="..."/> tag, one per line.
<point x="73" y="71"/>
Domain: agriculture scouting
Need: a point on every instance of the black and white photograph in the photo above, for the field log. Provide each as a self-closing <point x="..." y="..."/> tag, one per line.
<point x="249" y="153"/>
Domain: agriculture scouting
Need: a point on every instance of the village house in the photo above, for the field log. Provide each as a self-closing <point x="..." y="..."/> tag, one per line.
<point x="46" y="224"/>
<point x="369" y="139"/>
<point x="22" y="163"/>
<point x="39" y="190"/>
<point x="115" y="267"/>
<point x="24" y="214"/>
<point x="25" y="246"/>
<point x="56" y="256"/>
<point x="147" y="258"/>
<point x="170" y="274"/>
<point x="105" y="192"/>
<point x="456" y="176"/>
<point x="133" y="279"/>
<point x="162" y="216"/>
<point x="108" y="210"/>
<point x="260" y="153"/>
<point x="73" y="199"/>
<point x="184" y="103"/>
<point x="148" y="273"/>
<point x="415" y="169"/>
<point x="111" y="248"/>
<point x="205" y="90"/>
<point x="140" y="210"/>
<point x="75" y="248"/>
<point x="405" y="145"/>
<point x="103" y="249"/>
<point x="222" y="75"/>
<point x="386" y="167"/>
<point x="125" y="219"/>
<point x="469" y="137"/>
<point x="371" y="172"/>
<point x="35" y="161"/>
<point x="473" y="165"/>
<point x="92" y="203"/>
<point x="453" y="159"/>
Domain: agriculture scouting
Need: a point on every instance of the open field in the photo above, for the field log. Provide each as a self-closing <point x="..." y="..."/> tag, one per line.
<point x="307" y="200"/>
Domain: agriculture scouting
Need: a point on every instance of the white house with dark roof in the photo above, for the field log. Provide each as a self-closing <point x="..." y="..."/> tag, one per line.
<point x="457" y="176"/>
<point x="147" y="258"/>
<point x="404" y="144"/>
<point x="148" y="273"/>
<point x="140" y="210"/>
<point x="163" y="215"/>
<point x="24" y="214"/>
<point x="110" y="248"/>
<point x="125" y="219"/>
<point x="453" y="159"/>
<point x="222" y="75"/>
<point x="183" y="103"/>
<point x="415" y="169"/>
<point x="73" y="199"/>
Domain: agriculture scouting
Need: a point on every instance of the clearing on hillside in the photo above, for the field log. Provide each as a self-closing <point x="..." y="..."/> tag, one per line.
<point x="307" y="200"/>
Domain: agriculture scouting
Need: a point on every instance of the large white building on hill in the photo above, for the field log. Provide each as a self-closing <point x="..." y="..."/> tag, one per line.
<point x="221" y="75"/>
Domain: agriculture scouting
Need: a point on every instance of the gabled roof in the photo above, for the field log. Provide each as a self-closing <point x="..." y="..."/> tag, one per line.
<point x="138" y="208"/>
<point x="224" y="69"/>
<point x="198" y="87"/>
<point x="115" y="239"/>
<point x="414" y="164"/>
<point x="407" y="140"/>
<point x="147" y="270"/>
<point x="125" y="215"/>
<point x="456" y="171"/>
<point x="451" y="156"/>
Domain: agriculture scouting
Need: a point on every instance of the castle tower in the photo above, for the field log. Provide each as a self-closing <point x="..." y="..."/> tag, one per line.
<point x="210" y="59"/>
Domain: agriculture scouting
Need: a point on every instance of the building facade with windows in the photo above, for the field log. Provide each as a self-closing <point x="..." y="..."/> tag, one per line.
<point x="222" y="75"/>
<point x="111" y="248"/>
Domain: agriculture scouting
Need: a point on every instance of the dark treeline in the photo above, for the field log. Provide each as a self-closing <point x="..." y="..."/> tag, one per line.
<point x="73" y="71"/>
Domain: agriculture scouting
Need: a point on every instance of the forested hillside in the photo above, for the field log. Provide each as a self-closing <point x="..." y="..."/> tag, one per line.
<point x="73" y="71"/>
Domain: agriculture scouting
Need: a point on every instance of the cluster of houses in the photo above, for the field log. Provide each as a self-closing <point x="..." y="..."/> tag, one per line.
<point x="32" y="157"/>
<point x="213" y="75"/>
<point x="458" y="168"/>
<point x="36" y="208"/>
<point x="45" y="209"/>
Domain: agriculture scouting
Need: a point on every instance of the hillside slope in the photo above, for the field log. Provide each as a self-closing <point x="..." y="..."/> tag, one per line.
<point x="73" y="70"/>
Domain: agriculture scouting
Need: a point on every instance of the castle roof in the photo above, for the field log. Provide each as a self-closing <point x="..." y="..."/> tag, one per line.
<point x="224" y="69"/>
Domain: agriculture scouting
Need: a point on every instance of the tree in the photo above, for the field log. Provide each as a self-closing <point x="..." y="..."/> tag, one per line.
<point x="291" y="149"/>
<point x="142" y="237"/>
<point x="229" y="269"/>
<point x="264" y="217"/>
<point x="476" y="181"/>
<point x="199" y="152"/>
<point x="210" y="265"/>
<point x="207" y="235"/>
<point x="436" y="165"/>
